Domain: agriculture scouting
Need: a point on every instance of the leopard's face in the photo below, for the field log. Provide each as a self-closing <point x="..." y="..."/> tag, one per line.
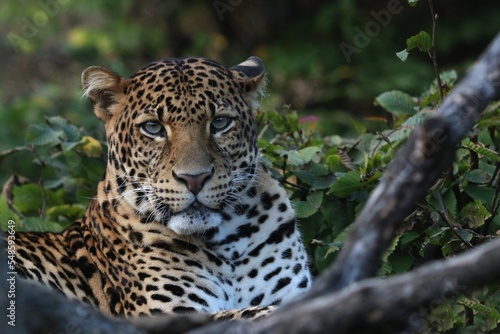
<point x="182" y="138"/>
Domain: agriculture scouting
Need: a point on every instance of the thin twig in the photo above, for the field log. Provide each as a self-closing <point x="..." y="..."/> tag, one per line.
<point x="474" y="157"/>
<point x="8" y="194"/>
<point x="293" y="185"/>
<point x="495" y="204"/>
<point x="493" y="177"/>
<point x="383" y="138"/>
<point x="33" y="150"/>
<point x="43" y="209"/>
<point x="432" y="52"/>
<point x="13" y="150"/>
<point x="443" y="213"/>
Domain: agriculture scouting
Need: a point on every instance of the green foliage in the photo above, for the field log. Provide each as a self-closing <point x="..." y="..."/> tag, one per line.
<point x="422" y="41"/>
<point x="329" y="180"/>
<point x="396" y="102"/>
<point x="69" y="165"/>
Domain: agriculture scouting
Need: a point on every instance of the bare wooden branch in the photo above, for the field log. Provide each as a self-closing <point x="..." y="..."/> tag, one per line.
<point x="176" y="324"/>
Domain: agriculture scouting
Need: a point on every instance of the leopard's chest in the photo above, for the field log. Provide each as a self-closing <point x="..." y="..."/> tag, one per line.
<point x="255" y="257"/>
<point x="176" y="276"/>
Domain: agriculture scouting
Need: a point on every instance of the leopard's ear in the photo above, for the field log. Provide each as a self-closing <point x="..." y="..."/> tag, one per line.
<point x="103" y="87"/>
<point x="252" y="74"/>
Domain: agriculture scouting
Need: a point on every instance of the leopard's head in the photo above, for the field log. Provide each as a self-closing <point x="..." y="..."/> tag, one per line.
<point x="182" y="141"/>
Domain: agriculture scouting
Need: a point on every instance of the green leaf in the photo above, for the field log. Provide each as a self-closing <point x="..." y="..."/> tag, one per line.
<point x="385" y="269"/>
<point x="322" y="257"/>
<point x="478" y="307"/>
<point x="311" y="226"/>
<point x="346" y="184"/>
<point x="335" y="164"/>
<point x="478" y="176"/>
<point x="312" y="153"/>
<point x="293" y="158"/>
<point x="401" y="262"/>
<point x="292" y="120"/>
<point x="397" y="103"/>
<point x="69" y="211"/>
<point x="6" y="214"/>
<point x="450" y="202"/>
<point x="68" y="146"/>
<point x="323" y="182"/>
<point x="409" y="237"/>
<point x="337" y="213"/>
<point x="319" y="169"/>
<point x="403" y="55"/>
<point x="478" y="148"/>
<point x="359" y="126"/>
<point x="13" y="150"/>
<point x="42" y="135"/>
<point x="305" y="176"/>
<point x="58" y="123"/>
<point x="277" y="122"/>
<point x="316" y="182"/>
<point x="35" y="224"/>
<point x="307" y="208"/>
<point x="475" y="214"/>
<point x="448" y="78"/>
<point x="27" y="197"/>
<point x="422" y="41"/>
<point x="334" y="247"/>
<point x="391" y="247"/>
<point x="465" y="234"/>
<point x="52" y="184"/>
<point x="412" y="3"/>
<point x="397" y="135"/>
<point x="430" y="98"/>
<point x="417" y="119"/>
<point x="483" y="194"/>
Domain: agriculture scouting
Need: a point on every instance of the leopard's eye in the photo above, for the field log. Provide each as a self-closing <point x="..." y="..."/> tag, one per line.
<point x="220" y="123"/>
<point x="153" y="128"/>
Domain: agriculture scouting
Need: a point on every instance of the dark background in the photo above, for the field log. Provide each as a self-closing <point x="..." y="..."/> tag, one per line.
<point x="47" y="44"/>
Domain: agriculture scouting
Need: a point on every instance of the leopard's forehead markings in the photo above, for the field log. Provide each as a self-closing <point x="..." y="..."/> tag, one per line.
<point x="177" y="84"/>
<point x="183" y="73"/>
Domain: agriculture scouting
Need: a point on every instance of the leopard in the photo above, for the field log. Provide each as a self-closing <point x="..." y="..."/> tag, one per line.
<point x="186" y="218"/>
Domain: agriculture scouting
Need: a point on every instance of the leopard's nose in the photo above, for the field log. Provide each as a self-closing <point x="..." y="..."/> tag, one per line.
<point x="193" y="182"/>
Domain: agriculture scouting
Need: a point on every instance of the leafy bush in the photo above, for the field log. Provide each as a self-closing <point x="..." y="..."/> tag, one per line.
<point x="69" y="164"/>
<point x="330" y="178"/>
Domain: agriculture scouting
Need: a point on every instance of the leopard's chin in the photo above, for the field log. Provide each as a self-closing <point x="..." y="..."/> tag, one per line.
<point x="196" y="219"/>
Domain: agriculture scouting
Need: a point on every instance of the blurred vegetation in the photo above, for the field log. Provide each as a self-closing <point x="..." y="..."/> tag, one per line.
<point x="352" y="113"/>
<point x="45" y="45"/>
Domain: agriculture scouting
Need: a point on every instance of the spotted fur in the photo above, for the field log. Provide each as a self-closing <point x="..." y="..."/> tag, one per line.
<point x="184" y="219"/>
